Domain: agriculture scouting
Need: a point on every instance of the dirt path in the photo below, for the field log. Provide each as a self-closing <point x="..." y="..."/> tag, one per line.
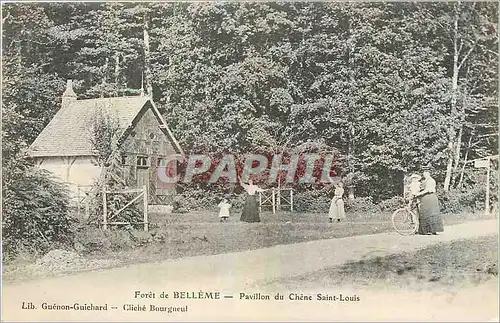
<point x="231" y="274"/>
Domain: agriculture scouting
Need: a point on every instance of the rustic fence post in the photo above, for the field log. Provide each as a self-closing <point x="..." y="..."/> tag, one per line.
<point x="278" y="200"/>
<point x="274" y="200"/>
<point x="260" y="202"/>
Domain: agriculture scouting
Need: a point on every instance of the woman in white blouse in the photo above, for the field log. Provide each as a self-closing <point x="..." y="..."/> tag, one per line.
<point x="336" y="211"/>
<point x="430" y="216"/>
<point x="251" y="209"/>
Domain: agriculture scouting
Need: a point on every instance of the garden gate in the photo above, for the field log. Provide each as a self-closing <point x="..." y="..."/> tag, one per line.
<point x="277" y="199"/>
<point x="143" y="192"/>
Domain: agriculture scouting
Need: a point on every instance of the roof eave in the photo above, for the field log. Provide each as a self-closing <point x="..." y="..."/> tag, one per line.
<point x="165" y="126"/>
<point x="45" y="155"/>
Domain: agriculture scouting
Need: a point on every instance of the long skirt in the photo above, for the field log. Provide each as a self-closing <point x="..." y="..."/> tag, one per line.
<point x="430" y="220"/>
<point x="250" y="210"/>
<point x="336" y="209"/>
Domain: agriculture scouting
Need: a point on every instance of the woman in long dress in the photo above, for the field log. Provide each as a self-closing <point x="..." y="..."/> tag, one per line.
<point x="337" y="204"/>
<point x="251" y="209"/>
<point x="430" y="217"/>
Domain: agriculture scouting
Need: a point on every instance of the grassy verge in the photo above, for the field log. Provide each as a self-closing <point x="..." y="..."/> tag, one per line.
<point x="160" y="220"/>
<point x="452" y="265"/>
<point x="184" y="235"/>
<point x="174" y="236"/>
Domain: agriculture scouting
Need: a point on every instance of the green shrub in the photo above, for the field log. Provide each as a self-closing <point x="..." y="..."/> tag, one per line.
<point x="237" y="202"/>
<point x="455" y="201"/>
<point x="114" y="202"/>
<point x="115" y="177"/>
<point x="200" y="199"/>
<point x="450" y="203"/>
<point x="140" y="237"/>
<point x="362" y="205"/>
<point x="35" y="211"/>
<point x="315" y="201"/>
<point x="90" y="239"/>
<point x="392" y="204"/>
<point x="194" y="199"/>
<point x="470" y="194"/>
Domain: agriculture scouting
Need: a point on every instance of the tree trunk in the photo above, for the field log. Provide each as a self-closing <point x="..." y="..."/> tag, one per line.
<point x="458" y="146"/>
<point x="350" y="160"/>
<point x="147" y="62"/>
<point x="352" y="131"/>
<point x="454" y="94"/>
<point x="463" y="116"/>
<point x="460" y="181"/>
<point x="449" y="169"/>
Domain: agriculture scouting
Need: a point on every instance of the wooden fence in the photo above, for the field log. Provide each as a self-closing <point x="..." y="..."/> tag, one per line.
<point x="108" y="216"/>
<point x="276" y="199"/>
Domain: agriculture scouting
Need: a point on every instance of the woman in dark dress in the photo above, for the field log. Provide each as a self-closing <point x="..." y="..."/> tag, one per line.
<point x="251" y="209"/>
<point x="430" y="221"/>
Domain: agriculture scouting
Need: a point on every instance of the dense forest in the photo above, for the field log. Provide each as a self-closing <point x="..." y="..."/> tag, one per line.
<point x="390" y="87"/>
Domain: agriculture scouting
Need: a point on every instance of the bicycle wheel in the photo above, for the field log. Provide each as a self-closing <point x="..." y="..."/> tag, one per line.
<point x="404" y="221"/>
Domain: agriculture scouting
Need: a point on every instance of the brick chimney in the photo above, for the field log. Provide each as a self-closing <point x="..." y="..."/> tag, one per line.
<point x="69" y="96"/>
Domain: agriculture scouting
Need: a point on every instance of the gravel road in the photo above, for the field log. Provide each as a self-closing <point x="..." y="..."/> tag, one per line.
<point x="235" y="273"/>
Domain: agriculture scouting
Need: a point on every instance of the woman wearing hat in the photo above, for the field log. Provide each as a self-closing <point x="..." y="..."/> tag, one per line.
<point x="414" y="189"/>
<point x="250" y="209"/>
<point x="430" y="216"/>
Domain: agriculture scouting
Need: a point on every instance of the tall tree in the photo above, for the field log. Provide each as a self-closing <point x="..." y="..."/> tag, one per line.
<point x="470" y="35"/>
<point x="387" y="85"/>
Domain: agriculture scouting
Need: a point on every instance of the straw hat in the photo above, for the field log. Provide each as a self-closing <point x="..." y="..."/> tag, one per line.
<point x="415" y="177"/>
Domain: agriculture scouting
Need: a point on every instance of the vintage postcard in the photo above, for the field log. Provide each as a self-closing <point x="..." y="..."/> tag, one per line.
<point x="250" y="161"/>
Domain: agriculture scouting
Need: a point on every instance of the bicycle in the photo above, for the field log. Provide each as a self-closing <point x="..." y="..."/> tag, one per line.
<point x="405" y="221"/>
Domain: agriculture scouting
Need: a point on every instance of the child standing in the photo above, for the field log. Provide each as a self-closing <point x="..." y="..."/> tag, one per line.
<point x="224" y="210"/>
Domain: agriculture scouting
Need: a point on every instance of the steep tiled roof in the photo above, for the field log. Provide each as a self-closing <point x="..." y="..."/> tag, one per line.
<point x="69" y="132"/>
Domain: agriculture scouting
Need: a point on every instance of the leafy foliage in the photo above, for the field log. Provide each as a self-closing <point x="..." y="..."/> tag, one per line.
<point x="35" y="211"/>
<point x="104" y="133"/>
<point x="375" y="83"/>
<point x="106" y="142"/>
